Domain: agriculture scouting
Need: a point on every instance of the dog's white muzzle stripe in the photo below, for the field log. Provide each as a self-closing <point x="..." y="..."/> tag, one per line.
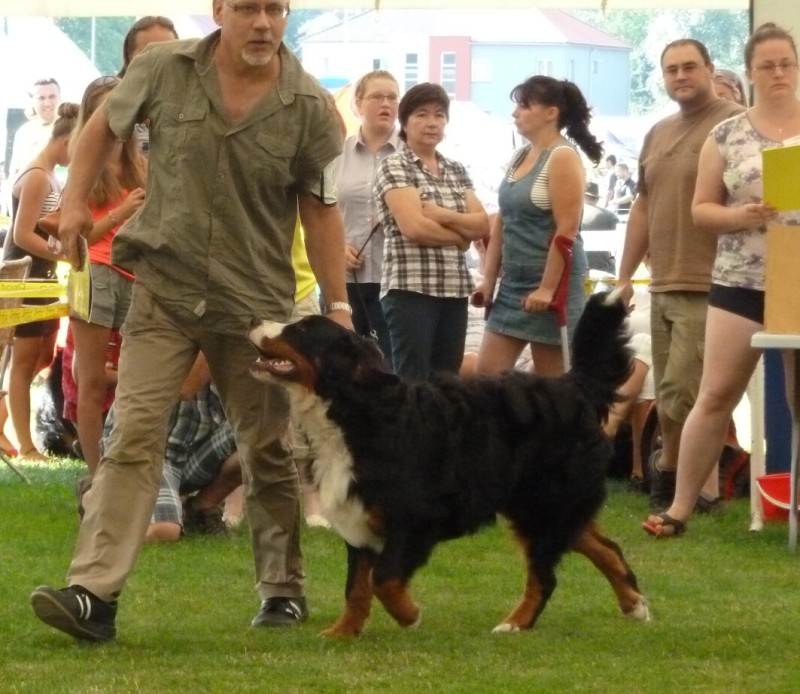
<point x="266" y="328"/>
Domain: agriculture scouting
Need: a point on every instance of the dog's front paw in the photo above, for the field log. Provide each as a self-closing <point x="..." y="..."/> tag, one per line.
<point x="640" y="612"/>
<point x="505" y="628"/>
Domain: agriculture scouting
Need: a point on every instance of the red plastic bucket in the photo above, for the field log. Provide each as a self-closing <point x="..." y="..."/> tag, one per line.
<point x="775" y="491"/>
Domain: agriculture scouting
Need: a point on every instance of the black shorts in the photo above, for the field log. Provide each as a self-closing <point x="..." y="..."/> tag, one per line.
<point x="747" y="303"/>
<point x="39" y="328"/>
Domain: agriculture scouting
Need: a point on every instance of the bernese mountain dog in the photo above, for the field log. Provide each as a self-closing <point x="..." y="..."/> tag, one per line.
<point x="402" y="465"/>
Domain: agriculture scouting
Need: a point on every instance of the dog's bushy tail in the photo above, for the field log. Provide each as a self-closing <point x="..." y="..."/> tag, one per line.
<point x="601" y="358"/>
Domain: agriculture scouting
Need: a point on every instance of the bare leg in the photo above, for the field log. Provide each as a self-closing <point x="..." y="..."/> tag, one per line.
<point x="234" y="507"/>
<point x="498" y="353"/>
<point x="547" y="359"/>
<point x="26" y="361"/>
<point x="638" y="418"/>
<point x="228" y="479"/>
<point x="731" y="361"/>
<point x="312" y="507"/>
<point x="91" y="341"/>
<point x="5" y="442"/>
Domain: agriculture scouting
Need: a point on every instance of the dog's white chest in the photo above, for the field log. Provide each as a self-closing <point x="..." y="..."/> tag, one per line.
<point x="333" y="474"/>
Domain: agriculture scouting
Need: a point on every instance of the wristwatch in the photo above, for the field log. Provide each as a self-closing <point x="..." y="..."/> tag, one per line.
<point x="340" y="306"/>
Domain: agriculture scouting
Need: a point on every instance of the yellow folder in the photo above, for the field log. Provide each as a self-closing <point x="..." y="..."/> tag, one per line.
<point x="782" y="177"/>
<point x="79" y="285"/>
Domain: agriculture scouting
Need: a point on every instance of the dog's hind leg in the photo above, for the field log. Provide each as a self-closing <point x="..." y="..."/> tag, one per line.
<point x="358" y="593"/>
<point x="540" y="584"/>
<point x="606" y="555"/>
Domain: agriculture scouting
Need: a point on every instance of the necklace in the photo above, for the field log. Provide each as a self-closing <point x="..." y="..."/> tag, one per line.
<point x="784" y="124"/>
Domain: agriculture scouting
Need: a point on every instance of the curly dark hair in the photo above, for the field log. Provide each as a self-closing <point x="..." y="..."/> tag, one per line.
<point x="574" y="113"/>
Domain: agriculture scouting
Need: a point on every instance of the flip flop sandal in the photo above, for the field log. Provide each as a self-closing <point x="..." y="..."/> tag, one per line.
<point x="657" y="529"/>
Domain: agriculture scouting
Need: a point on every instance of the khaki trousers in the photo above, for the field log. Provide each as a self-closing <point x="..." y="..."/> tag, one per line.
<point x="157" y="351"/>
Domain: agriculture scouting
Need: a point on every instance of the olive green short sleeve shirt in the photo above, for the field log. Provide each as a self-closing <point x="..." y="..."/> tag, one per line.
<point x="213" y="239"/>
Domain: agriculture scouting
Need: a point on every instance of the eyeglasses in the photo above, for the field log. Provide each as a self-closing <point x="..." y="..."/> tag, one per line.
<point x="380" y="98"/>
<point x="248" y="10"/>
<point x="687" y="68"/>
<point x="772" y="68"/>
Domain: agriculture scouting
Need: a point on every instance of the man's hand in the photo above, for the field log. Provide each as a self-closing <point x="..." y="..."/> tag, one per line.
<point x="625" y="289"/>
<point x="352" y="260"/>
<point x="76" y="222"/>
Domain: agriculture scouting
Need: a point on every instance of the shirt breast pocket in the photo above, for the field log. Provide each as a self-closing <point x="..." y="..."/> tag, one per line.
<point x="183" y="125"/>
<point x="274" y="157"/>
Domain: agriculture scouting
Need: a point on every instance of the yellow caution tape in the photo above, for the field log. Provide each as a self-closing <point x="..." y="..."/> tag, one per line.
<point x="32" y="289"/>
<point x="30" y="314"/>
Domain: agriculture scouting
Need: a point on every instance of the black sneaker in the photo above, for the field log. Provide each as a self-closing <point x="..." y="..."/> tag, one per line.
<point x="281" y="612"/>
<point x="203" y="521"/>
<point x="76" y="612"/>
<point x="662" y="484"/>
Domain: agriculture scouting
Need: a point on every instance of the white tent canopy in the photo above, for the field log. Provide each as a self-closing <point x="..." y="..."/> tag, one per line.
<point x="105" y="8"/>
<point x="21" y="51"/>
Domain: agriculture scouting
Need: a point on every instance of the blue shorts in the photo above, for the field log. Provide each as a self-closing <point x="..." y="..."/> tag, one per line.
<point x="111" y="296"/>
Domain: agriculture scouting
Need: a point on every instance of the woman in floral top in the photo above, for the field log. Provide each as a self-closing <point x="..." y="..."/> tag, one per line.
<point x="728" y="202"/>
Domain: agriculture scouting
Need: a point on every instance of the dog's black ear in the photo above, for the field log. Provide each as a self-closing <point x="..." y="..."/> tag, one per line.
<point x="354" y="358"/>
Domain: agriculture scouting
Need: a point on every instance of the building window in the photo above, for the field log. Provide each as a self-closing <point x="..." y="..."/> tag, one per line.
<point x="448" y="76"/>
<point x="411" y="73"/>
<point x="376" y="63"/>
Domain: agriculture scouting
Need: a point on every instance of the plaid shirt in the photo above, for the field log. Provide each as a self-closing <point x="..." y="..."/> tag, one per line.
<point x="442" y="271"/>
<point x="199" y="441"/>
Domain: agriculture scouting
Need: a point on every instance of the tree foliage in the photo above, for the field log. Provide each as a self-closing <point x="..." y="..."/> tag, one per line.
<point x="724" y="32"/>
<point x="109" y="34"/>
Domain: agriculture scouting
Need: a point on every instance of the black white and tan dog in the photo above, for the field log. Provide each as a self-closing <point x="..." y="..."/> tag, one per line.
<point x="403" y="465"/>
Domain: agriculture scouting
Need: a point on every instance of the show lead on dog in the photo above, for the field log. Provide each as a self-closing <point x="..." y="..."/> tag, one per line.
<point x="240" y="139"/>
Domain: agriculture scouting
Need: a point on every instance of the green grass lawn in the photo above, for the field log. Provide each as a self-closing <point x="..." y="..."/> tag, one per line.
<point x="726" y="607"/>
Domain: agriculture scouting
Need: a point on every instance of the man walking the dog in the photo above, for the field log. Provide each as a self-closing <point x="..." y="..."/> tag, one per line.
<point x="681" y="255"/>
<point x="241" y="139"/>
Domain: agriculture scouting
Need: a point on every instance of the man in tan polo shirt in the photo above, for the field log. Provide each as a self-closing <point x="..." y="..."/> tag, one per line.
<point x="681" y="256"/>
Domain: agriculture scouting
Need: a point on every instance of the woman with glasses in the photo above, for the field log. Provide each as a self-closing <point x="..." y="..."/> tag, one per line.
<point x="117" y="194"/>
<point x="728" y="202"/>
<point x="35" y="193"/>
<point x="376" y="100"/>
<point x="430" y="215"/>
